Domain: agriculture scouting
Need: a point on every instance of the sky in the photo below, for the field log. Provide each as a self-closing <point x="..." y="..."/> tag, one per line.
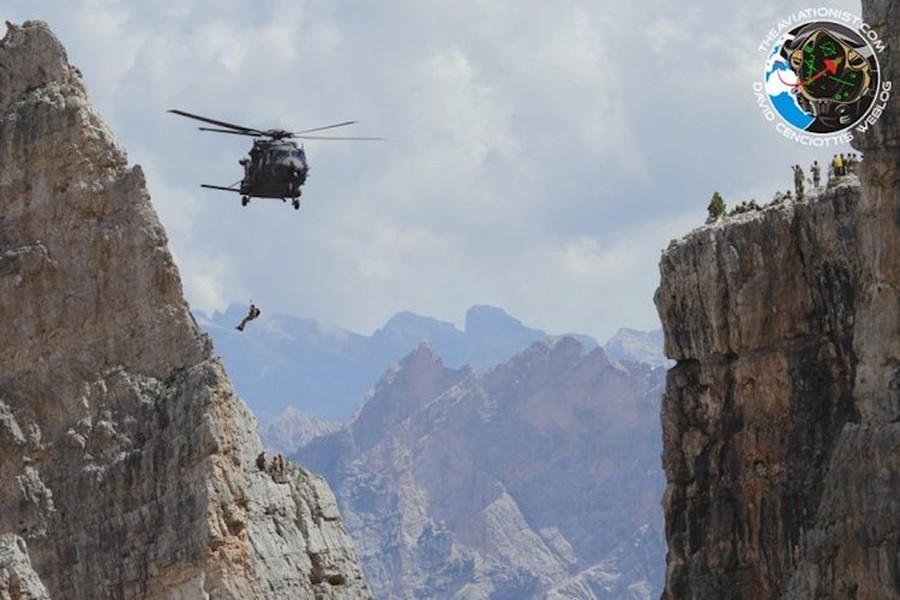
<point x="540" y="155"/>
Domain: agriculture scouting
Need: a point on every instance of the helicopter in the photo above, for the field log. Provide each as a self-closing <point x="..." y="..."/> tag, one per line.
<point x="276" y="167"/>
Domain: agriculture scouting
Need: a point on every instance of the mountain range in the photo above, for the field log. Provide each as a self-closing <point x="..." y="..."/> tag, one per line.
<point x="537" y="478"/>
<point x="281" y="363"/>
<point x="490" y="462"/>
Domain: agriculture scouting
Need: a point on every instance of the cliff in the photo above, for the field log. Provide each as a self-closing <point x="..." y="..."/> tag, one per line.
<point x="128" y="464"/>
<point x="781" y="419"/>
<point x="507" y="484"/>
<point x="18" y="581"/>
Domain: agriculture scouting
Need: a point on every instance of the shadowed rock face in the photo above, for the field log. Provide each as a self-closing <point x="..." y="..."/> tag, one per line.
<point x="129" y="466"/>
<point x="781" y="420"/>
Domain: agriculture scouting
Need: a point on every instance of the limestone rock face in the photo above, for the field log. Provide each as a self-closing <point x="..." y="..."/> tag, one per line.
<point x="781" y="419"/>
<point x="18" y="581"/>
<point x="883" y="141"/>
<point x="128" y="464"/>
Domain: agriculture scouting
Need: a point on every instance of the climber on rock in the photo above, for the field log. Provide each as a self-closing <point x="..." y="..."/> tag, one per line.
<point x="251" y="314"/>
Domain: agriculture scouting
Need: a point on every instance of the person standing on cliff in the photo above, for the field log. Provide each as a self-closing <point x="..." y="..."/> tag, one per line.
<point x="838" y="163"/>
<point x="816" y="172"/>
<point x="251" y="314"/>
<point x="798" y="181"/>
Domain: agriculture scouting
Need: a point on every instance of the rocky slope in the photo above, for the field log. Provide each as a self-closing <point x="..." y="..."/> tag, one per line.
<point x="781" y="419"/>
<point x="128" y="464"/>
<point x="539" y="478"/>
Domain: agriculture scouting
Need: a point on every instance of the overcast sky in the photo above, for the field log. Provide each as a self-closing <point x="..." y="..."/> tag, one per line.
<point x="541" y="154"/>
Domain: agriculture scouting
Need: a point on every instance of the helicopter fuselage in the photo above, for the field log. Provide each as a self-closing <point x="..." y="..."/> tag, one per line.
<point x="275" y="169"/>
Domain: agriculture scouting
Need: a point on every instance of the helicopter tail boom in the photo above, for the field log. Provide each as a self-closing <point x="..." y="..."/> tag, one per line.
<point x="220" y="187"/>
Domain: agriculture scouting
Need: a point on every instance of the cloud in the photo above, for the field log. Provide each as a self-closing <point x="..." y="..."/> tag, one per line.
<point x="540" y="155"/>
<point x="209" y="282"/>
<point x="583" y="257"/>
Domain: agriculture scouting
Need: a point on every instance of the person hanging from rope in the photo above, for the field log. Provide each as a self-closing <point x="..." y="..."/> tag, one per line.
<point x="251" y="314"/>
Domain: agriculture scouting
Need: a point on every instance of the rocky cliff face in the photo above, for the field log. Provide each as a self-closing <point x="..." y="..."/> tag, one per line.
<point x="128" y="465"/>
<point x="508" y="484"/>
<point x="781" y="420"/>
<point x="18" y="581"/>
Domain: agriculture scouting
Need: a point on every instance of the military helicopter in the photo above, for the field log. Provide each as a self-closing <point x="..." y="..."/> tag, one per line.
<point x="277" y="167"/>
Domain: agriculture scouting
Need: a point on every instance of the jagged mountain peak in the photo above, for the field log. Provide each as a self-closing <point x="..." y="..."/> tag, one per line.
<point x="548" y="353"/>
<point x="33" y="58"/>
<point x="421" y="365"/>
<point x="482" y="318"/>
<point x="85" y="257"/>
<point x="638" y="346"/>
<point x="404" y="389"/>
<point x="282" y="360"/>
<point x="502" y="484"/>
<point x="129" y="466"/>
<point x="412" y="328"/>
<point x="423" y="353"/>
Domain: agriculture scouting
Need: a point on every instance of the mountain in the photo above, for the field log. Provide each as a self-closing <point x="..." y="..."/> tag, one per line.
<point x="537" y="478"/>
<point x="281" y="361"/>
<point x="781" y="418"/>
<point x="638" y="346"/>
<point x="129" y="467"/>
<point x="293" y="429"/>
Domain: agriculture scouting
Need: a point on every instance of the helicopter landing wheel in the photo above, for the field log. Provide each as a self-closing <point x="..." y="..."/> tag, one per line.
<point x="296" y="204"/>
<point x="245" y="200"/>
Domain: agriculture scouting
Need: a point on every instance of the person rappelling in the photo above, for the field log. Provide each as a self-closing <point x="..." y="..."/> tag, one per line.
<point x="251" y="314"/>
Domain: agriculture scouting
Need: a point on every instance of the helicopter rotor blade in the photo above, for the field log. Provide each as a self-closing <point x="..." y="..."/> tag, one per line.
<point x="252" y="132"/>
<point x="328" y="137"/>
<point x="344" y="124"/>
<point x="276" y="134"/>
<point x="213" y="121"/>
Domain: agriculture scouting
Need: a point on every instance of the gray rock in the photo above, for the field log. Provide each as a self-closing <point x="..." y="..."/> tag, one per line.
<point x="780" y="419"/>
<point x="129" y="465"/>
<point x="18" y="581"/>
<point x="508" y="484"/>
